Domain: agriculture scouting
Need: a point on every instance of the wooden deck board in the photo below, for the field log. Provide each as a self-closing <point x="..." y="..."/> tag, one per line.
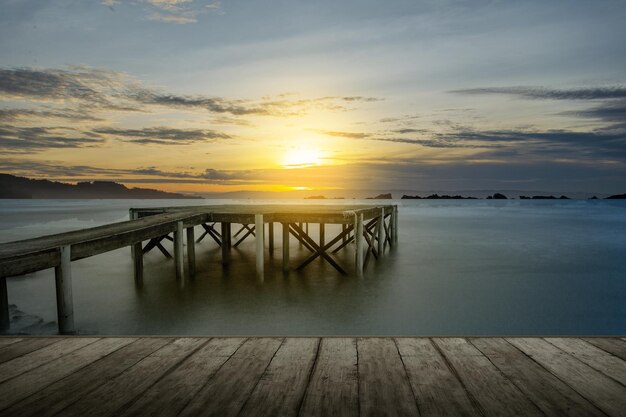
<point x="496" y="394"/>
<point x="550" y="394"/>
<point x="57" y="396"/>
<point x="333" y="387"/>
<point x="149" y="376"/>
<point x="614" y="346"/>
<point x="437" y="389"/>
<point x="605" y="393"/>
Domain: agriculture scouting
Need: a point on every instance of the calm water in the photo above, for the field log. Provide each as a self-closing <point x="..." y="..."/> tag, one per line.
<point x="461" y="268"/>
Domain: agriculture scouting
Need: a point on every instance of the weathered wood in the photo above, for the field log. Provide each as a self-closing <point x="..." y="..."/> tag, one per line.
<point x="614" y="346"/>
<point x="605" y="393"/>
<point x="25" y="346"/>
<point x="322" y="234"/>
<point x="333" y="388"/>
<point x="281" y="387"/>
<point x="34" y="380"/>
<point x="546" y="391"/>
<point x="593" y="356"/>
<point x="285" y="244"/>
<point x="394" y="219"/>
<point x="191" y="252"/>
<point x="109" y="398"/>
<point x="227" y="391"/>
<point x="358" y="244"/>
<point x="64" y="392"/>
<point x="25" y="363"/>
<point x="6" y="341"/>
<point x="384" y="388"/>
<point x="270" y="239"/>
<point x="437" y="390"/>
<point x="179" y="260"/>
<point x="260" y="246"/>
<point x="495" y="394"/>
<point x="381" y="232"/>
<point x="5" y="316"/>
<point x="316" y="249"/>
<point x="63" y="283"/>
<point x="170" y="395"/>
<point x="138" y="264"/>
<point x="226" y="239"/>
<point x="249" y="231"/>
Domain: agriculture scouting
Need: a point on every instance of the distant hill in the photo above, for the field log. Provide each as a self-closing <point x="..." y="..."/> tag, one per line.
<point x="21" y="187"/>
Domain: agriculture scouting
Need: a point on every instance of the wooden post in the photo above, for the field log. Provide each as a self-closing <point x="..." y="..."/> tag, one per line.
<point x="285" y="247"/>
<point x="270" y="231"/>
<point x="381" y="232"/>
<point x="358" y="244"/>
<point x="191" y="252"/>
<point x="179" y="259"/>
<point x="63" y="280"/>
<point x="225" y="230"/>
<point x="137" y="252"/>
<point x="343" y="229"/>
<point x="5" y="317"/>
<point x="259" y="228"/>
<point x="322" y="234"/>
<point x="394" y="218"/>
<point x="132" y="216"/>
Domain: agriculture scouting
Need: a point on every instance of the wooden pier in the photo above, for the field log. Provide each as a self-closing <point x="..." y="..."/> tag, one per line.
<point x="371" y="229"/>
<point x="346" y="376"/>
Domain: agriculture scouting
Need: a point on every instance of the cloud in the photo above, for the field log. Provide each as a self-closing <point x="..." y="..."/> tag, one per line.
<point x="74" y="115"/>
<point x="173" y="11"/>
<point x="35" y="139"/>
<point x="163" y="135"/>
<point x="591" y="93"/>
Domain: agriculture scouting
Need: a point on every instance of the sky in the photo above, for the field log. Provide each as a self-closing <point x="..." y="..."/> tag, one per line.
<point x="215" y="96"/>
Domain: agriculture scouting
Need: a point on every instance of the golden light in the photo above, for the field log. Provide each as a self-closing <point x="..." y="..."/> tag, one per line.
<point x="301" y="158"/>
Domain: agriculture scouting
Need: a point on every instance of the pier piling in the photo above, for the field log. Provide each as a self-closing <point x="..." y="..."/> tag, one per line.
<point x="191" y="252"/>
<point x="226" y="241"/>
<point x="178" y="252"/>
<point x="358" y="244"/>
<point x="258" y="222"/>
<point x="285" y="246"/>
<point x="63" y="280"/>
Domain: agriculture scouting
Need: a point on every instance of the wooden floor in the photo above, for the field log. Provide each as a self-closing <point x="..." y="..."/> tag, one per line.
<point x="115" y="376"/>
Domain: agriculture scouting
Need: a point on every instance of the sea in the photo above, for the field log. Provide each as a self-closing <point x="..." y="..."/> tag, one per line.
<point x="461" y="267"/>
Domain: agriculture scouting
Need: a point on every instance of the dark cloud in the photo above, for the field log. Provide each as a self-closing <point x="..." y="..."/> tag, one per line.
<point x="57" y="170"/>
<point x="75" y="115"/>
<point x="36" y="139"/>
<point x="163" y="135"/>
<point x="591" y="93"/>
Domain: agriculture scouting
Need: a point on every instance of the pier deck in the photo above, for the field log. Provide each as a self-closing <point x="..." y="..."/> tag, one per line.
<point x="270" y="376"/>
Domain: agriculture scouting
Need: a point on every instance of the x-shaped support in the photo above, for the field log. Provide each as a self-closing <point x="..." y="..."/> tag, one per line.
<point x="156" y="242"/>
<point x="249" y="231"/>
<point x="209" y="229"/>
<point x="317" y="249"/>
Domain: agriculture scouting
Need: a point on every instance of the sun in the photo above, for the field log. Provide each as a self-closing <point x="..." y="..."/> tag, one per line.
<point x="301" y="157"/>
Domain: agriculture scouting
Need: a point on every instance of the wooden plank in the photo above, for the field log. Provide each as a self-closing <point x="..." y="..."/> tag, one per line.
<point x="25" y="346"/>
<point x="602" y="391"/>
<point x="109" y="399"/>
<point x="437" y="390"/>
<point x="225" y="394"/>
<point x="32" y="360"/>
<point x="495" y="394"/>
<point x="593" y="356"/>
<point x="137" y="256"/>
<point x="6" y="341"/>
<point x="22" y="386"/>
<point x="358" y="244"/>
<point x="282" y="386"/>
<point x="169" y="395"/>
<point x="59" y="395"/>
<point x="333" y="388"/>
<point x="226" y="242"/>
<point x="549" y="393"/>
<point x="384" y="388"/>
<point x="613" y="345"/>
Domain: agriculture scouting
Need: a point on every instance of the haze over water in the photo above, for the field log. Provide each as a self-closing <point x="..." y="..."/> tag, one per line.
<point x="461" y="268"/>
